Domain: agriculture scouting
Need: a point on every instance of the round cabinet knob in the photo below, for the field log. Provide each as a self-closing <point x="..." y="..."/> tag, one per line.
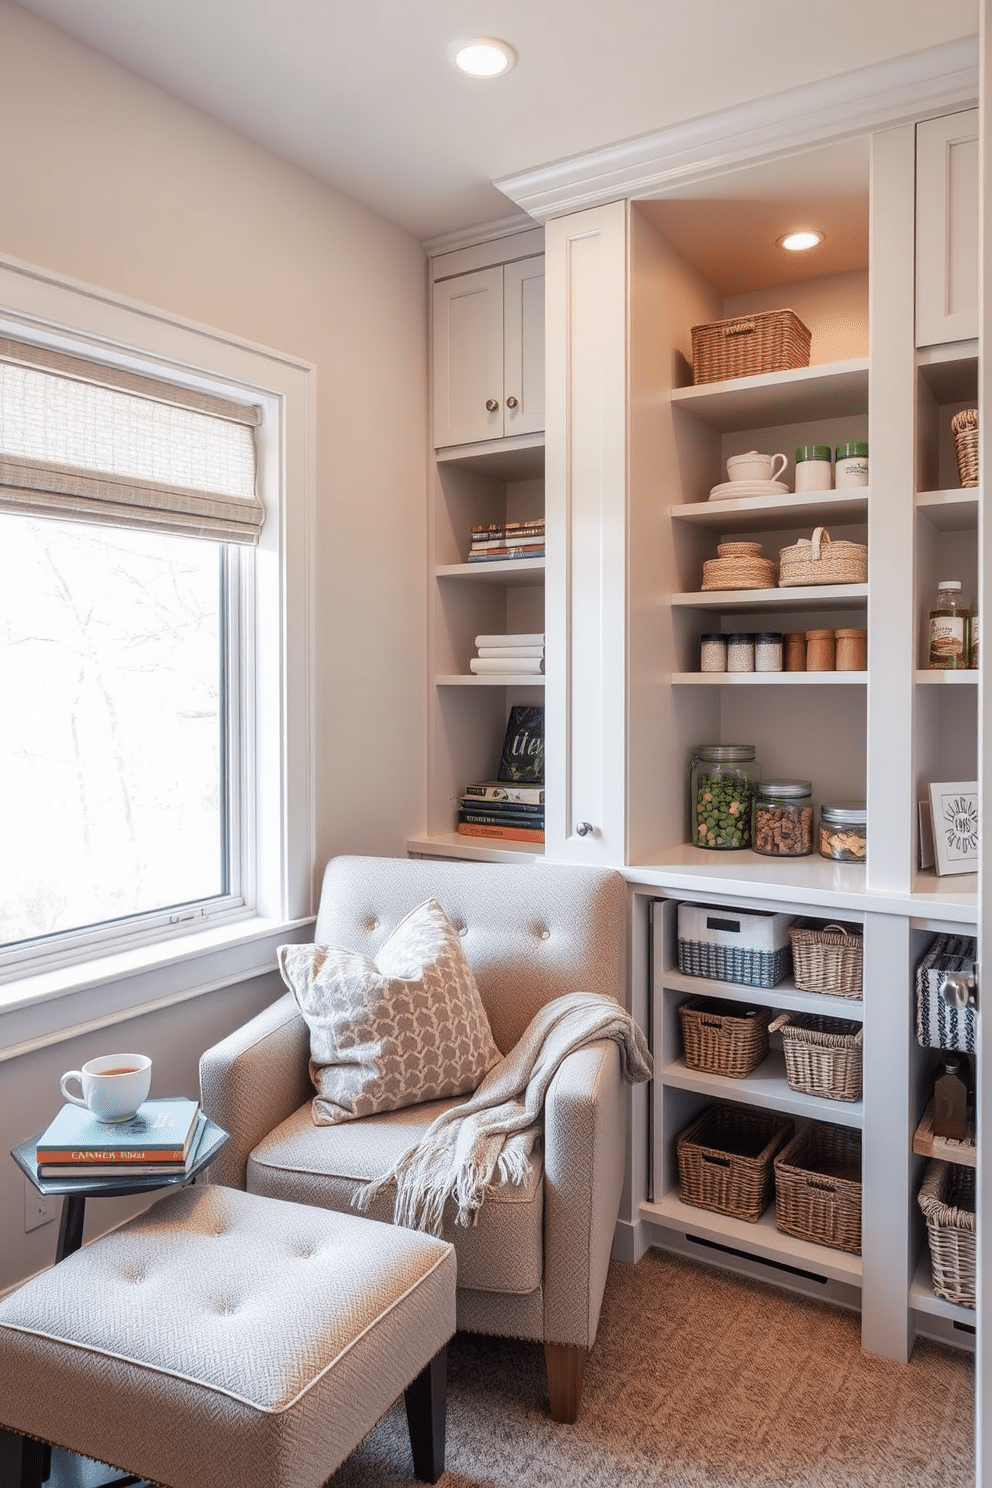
<point x="582" y="829"/>
<point x="511" y="402"/>
<point x="491" y="405"/>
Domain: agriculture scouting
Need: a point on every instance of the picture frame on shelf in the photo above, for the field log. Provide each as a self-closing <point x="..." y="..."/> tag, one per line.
<point x="954" y="815"/>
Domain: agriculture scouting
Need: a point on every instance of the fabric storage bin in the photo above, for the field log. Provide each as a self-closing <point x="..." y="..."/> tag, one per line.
<point x="947" y="1203"/>
<point x="746" y="345"/>
<point x="724" y="1038"/>
<point x="823" y="1056"/>
<point x="818" y="1186"/>
<point x="938" y="1025"/>
<point x="827" y="958"/>
<point x="725" y="1159"/>
<point x="817" y="560"/>
<point x="734" y="945"/>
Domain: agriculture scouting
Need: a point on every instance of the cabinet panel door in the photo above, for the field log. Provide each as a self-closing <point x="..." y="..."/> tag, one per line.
<point x="468" y="358"/>
<point x="523" y="324"/>
<point x="947" y="229"/>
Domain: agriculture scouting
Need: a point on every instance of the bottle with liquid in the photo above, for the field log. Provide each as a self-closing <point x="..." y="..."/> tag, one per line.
<point x="950" y="1101"/>
<point x="950" y="632"/>
<point x="975" y="636"/>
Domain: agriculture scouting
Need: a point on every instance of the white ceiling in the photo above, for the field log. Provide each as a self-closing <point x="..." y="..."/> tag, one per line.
<point x="360" y="93"/>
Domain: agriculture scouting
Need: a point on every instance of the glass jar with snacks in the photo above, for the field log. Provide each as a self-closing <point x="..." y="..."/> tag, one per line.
<point x="722" y="778"/>
<point x="843" y="831"/>
<point x="713" y="652"/>
<point x="782" y="822"/>
<point x="768" y="651"/>
<point x="740" y="652"/>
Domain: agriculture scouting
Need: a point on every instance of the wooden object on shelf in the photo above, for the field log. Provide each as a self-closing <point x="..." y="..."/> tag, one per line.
<point x="817" y="560"/>
<point x="724" y="1038"/>
<point x="827" y="958"/>
<point x="964" y="427"/>
<point x="818" y="1186"/>
<point x="852" y="650"/>
<point x="947" y="1203"/>
<point x="747" y="345"/>
<point x="927" y="1144"/>
<point x="823" y="1056"/>
<point x="725" y="1159"/>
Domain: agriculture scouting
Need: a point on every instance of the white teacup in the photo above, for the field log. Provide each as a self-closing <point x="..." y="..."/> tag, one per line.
<point x="755" y="467"/>
<point x="113" y="1086"/>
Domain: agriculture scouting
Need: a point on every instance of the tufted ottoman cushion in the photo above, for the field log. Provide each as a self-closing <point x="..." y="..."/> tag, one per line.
<point x="222" y="1337"/>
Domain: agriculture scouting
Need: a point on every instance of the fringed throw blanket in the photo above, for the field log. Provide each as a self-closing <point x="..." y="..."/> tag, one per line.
<point x="491" y="1136"/>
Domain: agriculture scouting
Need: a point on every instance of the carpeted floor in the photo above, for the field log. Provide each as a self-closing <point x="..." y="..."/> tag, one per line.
<point x="699" y="1379"/>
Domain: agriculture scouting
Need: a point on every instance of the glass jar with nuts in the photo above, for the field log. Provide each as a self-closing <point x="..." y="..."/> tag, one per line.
<point x="843" y="831"/>
<point x="782" y="825"/>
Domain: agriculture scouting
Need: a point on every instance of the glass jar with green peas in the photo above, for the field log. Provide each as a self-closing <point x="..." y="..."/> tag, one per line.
<point x="722" y="778"/>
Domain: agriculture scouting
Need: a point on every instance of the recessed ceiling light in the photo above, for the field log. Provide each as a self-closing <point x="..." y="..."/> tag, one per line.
<point x="797" y="241"/>
<point x="482" y="56"/>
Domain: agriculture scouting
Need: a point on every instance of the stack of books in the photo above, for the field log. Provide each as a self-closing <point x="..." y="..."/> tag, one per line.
<point x="160" y="1141"/>
<point x="498" y="541"/>
<point x="508" y="653"/>
<point x="512" y="805"/>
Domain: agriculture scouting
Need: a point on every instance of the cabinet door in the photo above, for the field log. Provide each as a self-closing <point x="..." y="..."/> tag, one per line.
<point x="523" y="346"/>
<point x="468" y="358"/>
<point x="947" y="229"/>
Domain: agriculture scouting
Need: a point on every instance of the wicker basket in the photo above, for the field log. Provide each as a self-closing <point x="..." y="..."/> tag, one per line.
<point x="947" y="1202"/>
<point x="740" y="565"/>
<point x="724" y="1038"/>
<point x="820" y="561"/>
<point x="774" y="341"/>
<point x="964" y="427"/>
<point x="725" y="1160"/>
<point x="818" y="1186"/>
<point x="827" y="958"/>
<point x="823" y="1056"/>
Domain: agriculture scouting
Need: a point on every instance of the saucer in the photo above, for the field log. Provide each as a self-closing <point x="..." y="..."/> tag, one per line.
<point x="733" y="490"/>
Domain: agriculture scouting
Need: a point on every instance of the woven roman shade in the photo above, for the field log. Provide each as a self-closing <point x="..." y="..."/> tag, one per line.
<point x="89" y="442"/>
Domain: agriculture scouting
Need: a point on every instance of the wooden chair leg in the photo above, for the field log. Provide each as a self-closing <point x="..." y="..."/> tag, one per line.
<point x="566" y="1364"/>
<point x="426" y="1410"/>
<point x="21" y="1460"/>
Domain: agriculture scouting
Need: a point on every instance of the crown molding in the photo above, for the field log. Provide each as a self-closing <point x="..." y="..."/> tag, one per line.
<point x="939" y="80"/>
<point x="469" y="237"/>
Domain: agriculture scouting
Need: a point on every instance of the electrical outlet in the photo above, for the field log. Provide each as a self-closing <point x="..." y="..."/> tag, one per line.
<point x="39" y="1209"/>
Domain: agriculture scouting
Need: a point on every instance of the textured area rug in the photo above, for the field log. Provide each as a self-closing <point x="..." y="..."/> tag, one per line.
<point x="699" y="1379"/>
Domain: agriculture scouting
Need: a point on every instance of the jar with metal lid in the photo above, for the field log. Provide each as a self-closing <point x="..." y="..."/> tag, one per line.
<point x="713" y="652"/>
<point x="768" y="651"/>
<point x="843" y="831"/>
<point x="740" y="652"/>
<point x="722" y="778"/>
<point x="782" y="821"/>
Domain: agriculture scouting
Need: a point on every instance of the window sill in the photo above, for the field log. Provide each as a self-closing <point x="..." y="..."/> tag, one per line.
<point x="66" y="1001"/>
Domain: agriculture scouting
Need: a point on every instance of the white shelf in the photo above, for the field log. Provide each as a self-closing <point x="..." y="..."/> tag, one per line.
<point x="754" y="513"/>
<point x="520" y="457"/>
<point x="785" y="995"/>
<point x="512" y="571"/>
<point x="453" y="845"/>
<point x="833" y="390"/>
<point x="965" y="678"/>
<point x="493" y="679"/>
<point x="769" y="679"/>
<point x="923" y="1298"/>
<point x="954" y="510"/>
<point x="766" y="1087"/>
<point x="805" y="596"/>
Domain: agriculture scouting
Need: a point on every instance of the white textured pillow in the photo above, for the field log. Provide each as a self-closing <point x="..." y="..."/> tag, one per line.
<point x="410" y="1029"/>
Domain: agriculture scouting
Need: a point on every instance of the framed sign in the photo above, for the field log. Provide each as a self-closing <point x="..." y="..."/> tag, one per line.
<point x="954" y="809"/>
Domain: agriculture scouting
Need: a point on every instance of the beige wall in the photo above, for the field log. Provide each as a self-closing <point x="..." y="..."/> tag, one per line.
<point x="107" y="180"/>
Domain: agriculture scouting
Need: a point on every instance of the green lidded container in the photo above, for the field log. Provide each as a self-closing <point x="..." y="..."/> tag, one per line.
<point x="813" y="452"/>
<point x="722" y="780"/>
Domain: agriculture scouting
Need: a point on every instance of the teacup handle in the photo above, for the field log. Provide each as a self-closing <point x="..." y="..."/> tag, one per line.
<point x="781" y="468"/>
<point x="77" y="1100"/>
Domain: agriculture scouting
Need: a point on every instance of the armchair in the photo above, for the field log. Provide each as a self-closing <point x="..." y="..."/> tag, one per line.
<point x="535" y="1264"/>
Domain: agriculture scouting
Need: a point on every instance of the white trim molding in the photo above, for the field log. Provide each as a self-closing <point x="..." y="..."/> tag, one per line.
<point x="884" y="95"/>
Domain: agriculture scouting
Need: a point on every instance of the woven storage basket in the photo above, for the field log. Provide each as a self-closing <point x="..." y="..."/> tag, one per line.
<point x="818" y="1186"/>
<point x="739" y="565"/>
<point x="947" y="1203"/>
<point x="724" y="1038"/>
<point x="725" y="1160"/>
<point x="751" y="947"/>
<point x="774" y="341"/>
<point x="827" y="958"/>
<point x="964" y="427"/>
<point x="820" y="561"/>
<point x="823" y="1056"/>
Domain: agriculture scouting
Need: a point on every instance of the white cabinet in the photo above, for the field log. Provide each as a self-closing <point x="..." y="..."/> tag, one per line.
<point x="488" y="352"/>
<point x="947" y="229"/>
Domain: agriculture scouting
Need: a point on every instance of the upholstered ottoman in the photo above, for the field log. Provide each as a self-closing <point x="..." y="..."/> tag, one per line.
<point x="225" y="1338"/>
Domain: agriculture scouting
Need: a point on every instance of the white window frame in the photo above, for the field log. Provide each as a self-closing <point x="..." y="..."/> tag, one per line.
<point x="117" y="970"/>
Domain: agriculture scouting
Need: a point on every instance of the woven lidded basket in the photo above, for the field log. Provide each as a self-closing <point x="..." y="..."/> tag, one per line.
<point x="725" y="1159"/>
<point x="818" y="1186"/>
<point x="817" y="560"/>
<point x="773" y="341"/>
<point x="823" y="1056"/>
<point x="827" y="958"/>
<point x="964" y="427"/>
<point x="739" y="565"/>
<point x="722" y="1037"/>
<point x="947" y="1203"/>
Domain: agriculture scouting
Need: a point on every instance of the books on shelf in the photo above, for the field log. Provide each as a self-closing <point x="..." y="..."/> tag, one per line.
<point x="501" y="814"/>
<point x="483" y="665"/>
<point x="507" y="833"/>
<point x="501" y="790"/>
<point x="509" y="653"/>
<point x="522" y="756"/>
<point x="526" y="638"/>
<point x="161" y="1138"/>
<point x="510" y="650"/>
<point x="504" y="555"/>
<point x="497" y="541"/>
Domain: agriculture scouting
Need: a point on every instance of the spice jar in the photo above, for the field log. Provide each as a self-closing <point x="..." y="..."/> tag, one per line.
<point x="814" y="468"/>
<point x="740" y="652"/>
<point x="782" y="822"/>
<point x="795" y="651"/>
<point x="820" y="651"/>
<point x="851" y="465"/>
<point x="713" y="652"/>
<point x="768" y="651"/>
<point x="852" y="650"/>
<point x="843" y="831"/>
<point x="722" y="778"/>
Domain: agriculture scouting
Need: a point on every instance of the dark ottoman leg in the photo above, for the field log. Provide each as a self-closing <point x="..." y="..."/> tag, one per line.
<point x="426" y="1408"/>
<point x="21" y="1459"/>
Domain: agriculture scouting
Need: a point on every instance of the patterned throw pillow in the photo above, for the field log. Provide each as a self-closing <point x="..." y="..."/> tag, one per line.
<point x="411" y="1028"/>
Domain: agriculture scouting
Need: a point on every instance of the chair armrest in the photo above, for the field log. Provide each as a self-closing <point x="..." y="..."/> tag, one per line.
<point x="252" y="1080"/>
<point x="584" y="1152"/>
